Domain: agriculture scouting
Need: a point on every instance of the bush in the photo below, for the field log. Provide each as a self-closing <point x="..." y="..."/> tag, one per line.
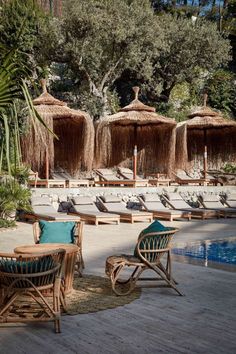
<point x="6" y="223"/>
<point x="13" y="197"/>
<point x="228" y="168"/>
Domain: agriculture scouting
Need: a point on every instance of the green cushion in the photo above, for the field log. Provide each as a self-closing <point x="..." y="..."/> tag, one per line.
<point x="156" y="226"/>
<point x="28" y="267"/>
<point x="56" y="232"/>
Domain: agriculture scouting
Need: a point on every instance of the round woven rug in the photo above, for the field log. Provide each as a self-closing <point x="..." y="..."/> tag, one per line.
<point x="93" y="293"/>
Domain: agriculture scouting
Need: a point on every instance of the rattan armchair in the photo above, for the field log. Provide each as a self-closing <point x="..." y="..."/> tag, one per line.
<point x="26" y="282"/>
<point x="78" y="236"/>
<point x="152" y="252"/>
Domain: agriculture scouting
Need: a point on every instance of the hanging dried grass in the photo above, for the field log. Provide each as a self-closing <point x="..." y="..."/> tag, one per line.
<point x="220" y="139"/>
<point x="75" y="148"/>
<point x="181" y="151"/>
<point x="155" y="140"/>
<point x="34" y="144"/>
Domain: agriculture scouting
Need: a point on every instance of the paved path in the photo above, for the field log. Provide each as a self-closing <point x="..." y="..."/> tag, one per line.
<point x="203" y="321"/>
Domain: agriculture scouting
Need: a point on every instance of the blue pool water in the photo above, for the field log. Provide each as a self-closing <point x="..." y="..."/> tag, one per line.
<point x="220" y="251"/>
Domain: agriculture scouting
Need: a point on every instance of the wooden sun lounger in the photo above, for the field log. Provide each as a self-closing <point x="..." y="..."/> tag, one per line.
<point x="90" y="213"/>
<point x="70" y="181"/>
<point x="43" y="209"/>
<point x="125" y="214"/>
<point x="48" y="183"/>
<point x="183" y="179"/>
<point x="212" y="202"/>
<point x="159" y="211"/>
<point x="127" y="174"/>
<point x="108" y="178"/>
<point x="180" y="204"/>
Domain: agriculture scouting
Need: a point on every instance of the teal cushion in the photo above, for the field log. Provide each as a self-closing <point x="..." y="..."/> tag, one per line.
<point x="56" y="232"/>
<point x="28" y="267"/>
<point x="156" y="226"/>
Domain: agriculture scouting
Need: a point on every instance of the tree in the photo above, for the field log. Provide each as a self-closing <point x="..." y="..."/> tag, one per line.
<point x="103" y="38"/>
<point x="189" y="50"/>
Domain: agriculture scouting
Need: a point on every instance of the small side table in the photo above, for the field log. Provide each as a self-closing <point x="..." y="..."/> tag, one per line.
<point x="70" y="258"/>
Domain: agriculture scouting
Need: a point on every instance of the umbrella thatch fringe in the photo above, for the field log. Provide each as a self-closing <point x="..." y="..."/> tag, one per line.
<point x="221" y="146"/>
<point x="73" y="151"/>
<point x="75" y="148"/>
<point x="181" y="151"/>
<point x="156" y="146"/>
<point x="36" y="141"/>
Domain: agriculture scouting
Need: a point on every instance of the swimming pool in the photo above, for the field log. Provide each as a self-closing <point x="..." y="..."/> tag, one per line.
<point x="210" y="253"/>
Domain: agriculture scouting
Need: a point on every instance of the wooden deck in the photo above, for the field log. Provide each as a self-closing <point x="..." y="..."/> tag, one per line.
<point x="203" y="321"/>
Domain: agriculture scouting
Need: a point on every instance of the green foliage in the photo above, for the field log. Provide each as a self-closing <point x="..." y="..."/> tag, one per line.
<point x="103" y="38"/>
<point x="27" y="19"/>
<point x="20" y="173"/>
<point x="7" y="223"/>
<point x="13" y="197"/>
<point x="187" y="50"/>
<point x="228" y="168"/>
<point x="221" y="88"/>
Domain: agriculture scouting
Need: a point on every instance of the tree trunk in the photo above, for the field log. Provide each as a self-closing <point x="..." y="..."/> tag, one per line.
<point x="166" y="91"/>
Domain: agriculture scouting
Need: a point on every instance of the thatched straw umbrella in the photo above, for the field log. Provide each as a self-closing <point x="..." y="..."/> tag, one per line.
<point x="134" y="128"/>
<point x="206" y="132"/>
<point x="74" y="148"/>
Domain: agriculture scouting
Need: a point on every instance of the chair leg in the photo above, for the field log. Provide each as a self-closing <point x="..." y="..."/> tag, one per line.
<point x="130" y="282"/>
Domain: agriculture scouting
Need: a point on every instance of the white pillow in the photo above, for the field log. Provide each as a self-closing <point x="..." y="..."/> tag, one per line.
<point x="111" y="198"/>
<point x="36" y="201"/>
<point x="82" y="200"/>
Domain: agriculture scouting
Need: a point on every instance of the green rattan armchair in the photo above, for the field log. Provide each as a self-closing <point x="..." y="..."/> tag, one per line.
<point x="27" y="282"/>
<point x="152" y="252"/>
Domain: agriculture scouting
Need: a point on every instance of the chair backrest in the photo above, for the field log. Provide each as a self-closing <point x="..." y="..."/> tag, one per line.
<point x="152" y="246"/>
<point x="111" y="203"/>
<point x="106" y="174"/>
<point x="181" y="174"/>
<point x="28" y="270"/>
<point x="151" y="202"/>
<point x="127" y="173"/>
<point x="78" y="232"/>
<point x="231" y="200"/>
<point x="82" y="203"/>
<point x="211" y="201"/>
<point x="176" y="201"/>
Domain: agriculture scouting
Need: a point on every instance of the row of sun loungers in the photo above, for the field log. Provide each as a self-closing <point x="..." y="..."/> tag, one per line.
<point x="111" y="209"/>
<point x="122" y="177"/>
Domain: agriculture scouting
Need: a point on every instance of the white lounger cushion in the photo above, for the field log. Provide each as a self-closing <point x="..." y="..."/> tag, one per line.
<point x="111" y="199"/>
<point x="151" y="197"/>
<point x="210" y="198"/>
<point x="82" y="200"/>
<point x="40" y="201"/>
<point x="174" y="196"/>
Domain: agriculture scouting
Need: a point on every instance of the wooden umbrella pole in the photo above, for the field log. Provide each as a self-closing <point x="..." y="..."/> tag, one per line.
<point x="135" y="153"/>
<point x="47" y="165"/>
<point x="205" y="154"/>
<point x="135" y="162"/>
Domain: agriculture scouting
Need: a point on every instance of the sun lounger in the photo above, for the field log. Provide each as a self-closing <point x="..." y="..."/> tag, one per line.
<point x="182" y="178"/>
<point x="48" y="183"/>
<point x="210" y="201"/>
<point x="70" y="181"/>
<point x="158" y="179"/>
<point x="230" y="200"/>
<point x="108" y="178"/>
<point x="177" y="202"/>
<point x="126" y="173"/>
<point x="43" y="209"/>
<point x="113" y="204"/>
<point x="88" y="211"/>
<point x="151" y="202"/>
